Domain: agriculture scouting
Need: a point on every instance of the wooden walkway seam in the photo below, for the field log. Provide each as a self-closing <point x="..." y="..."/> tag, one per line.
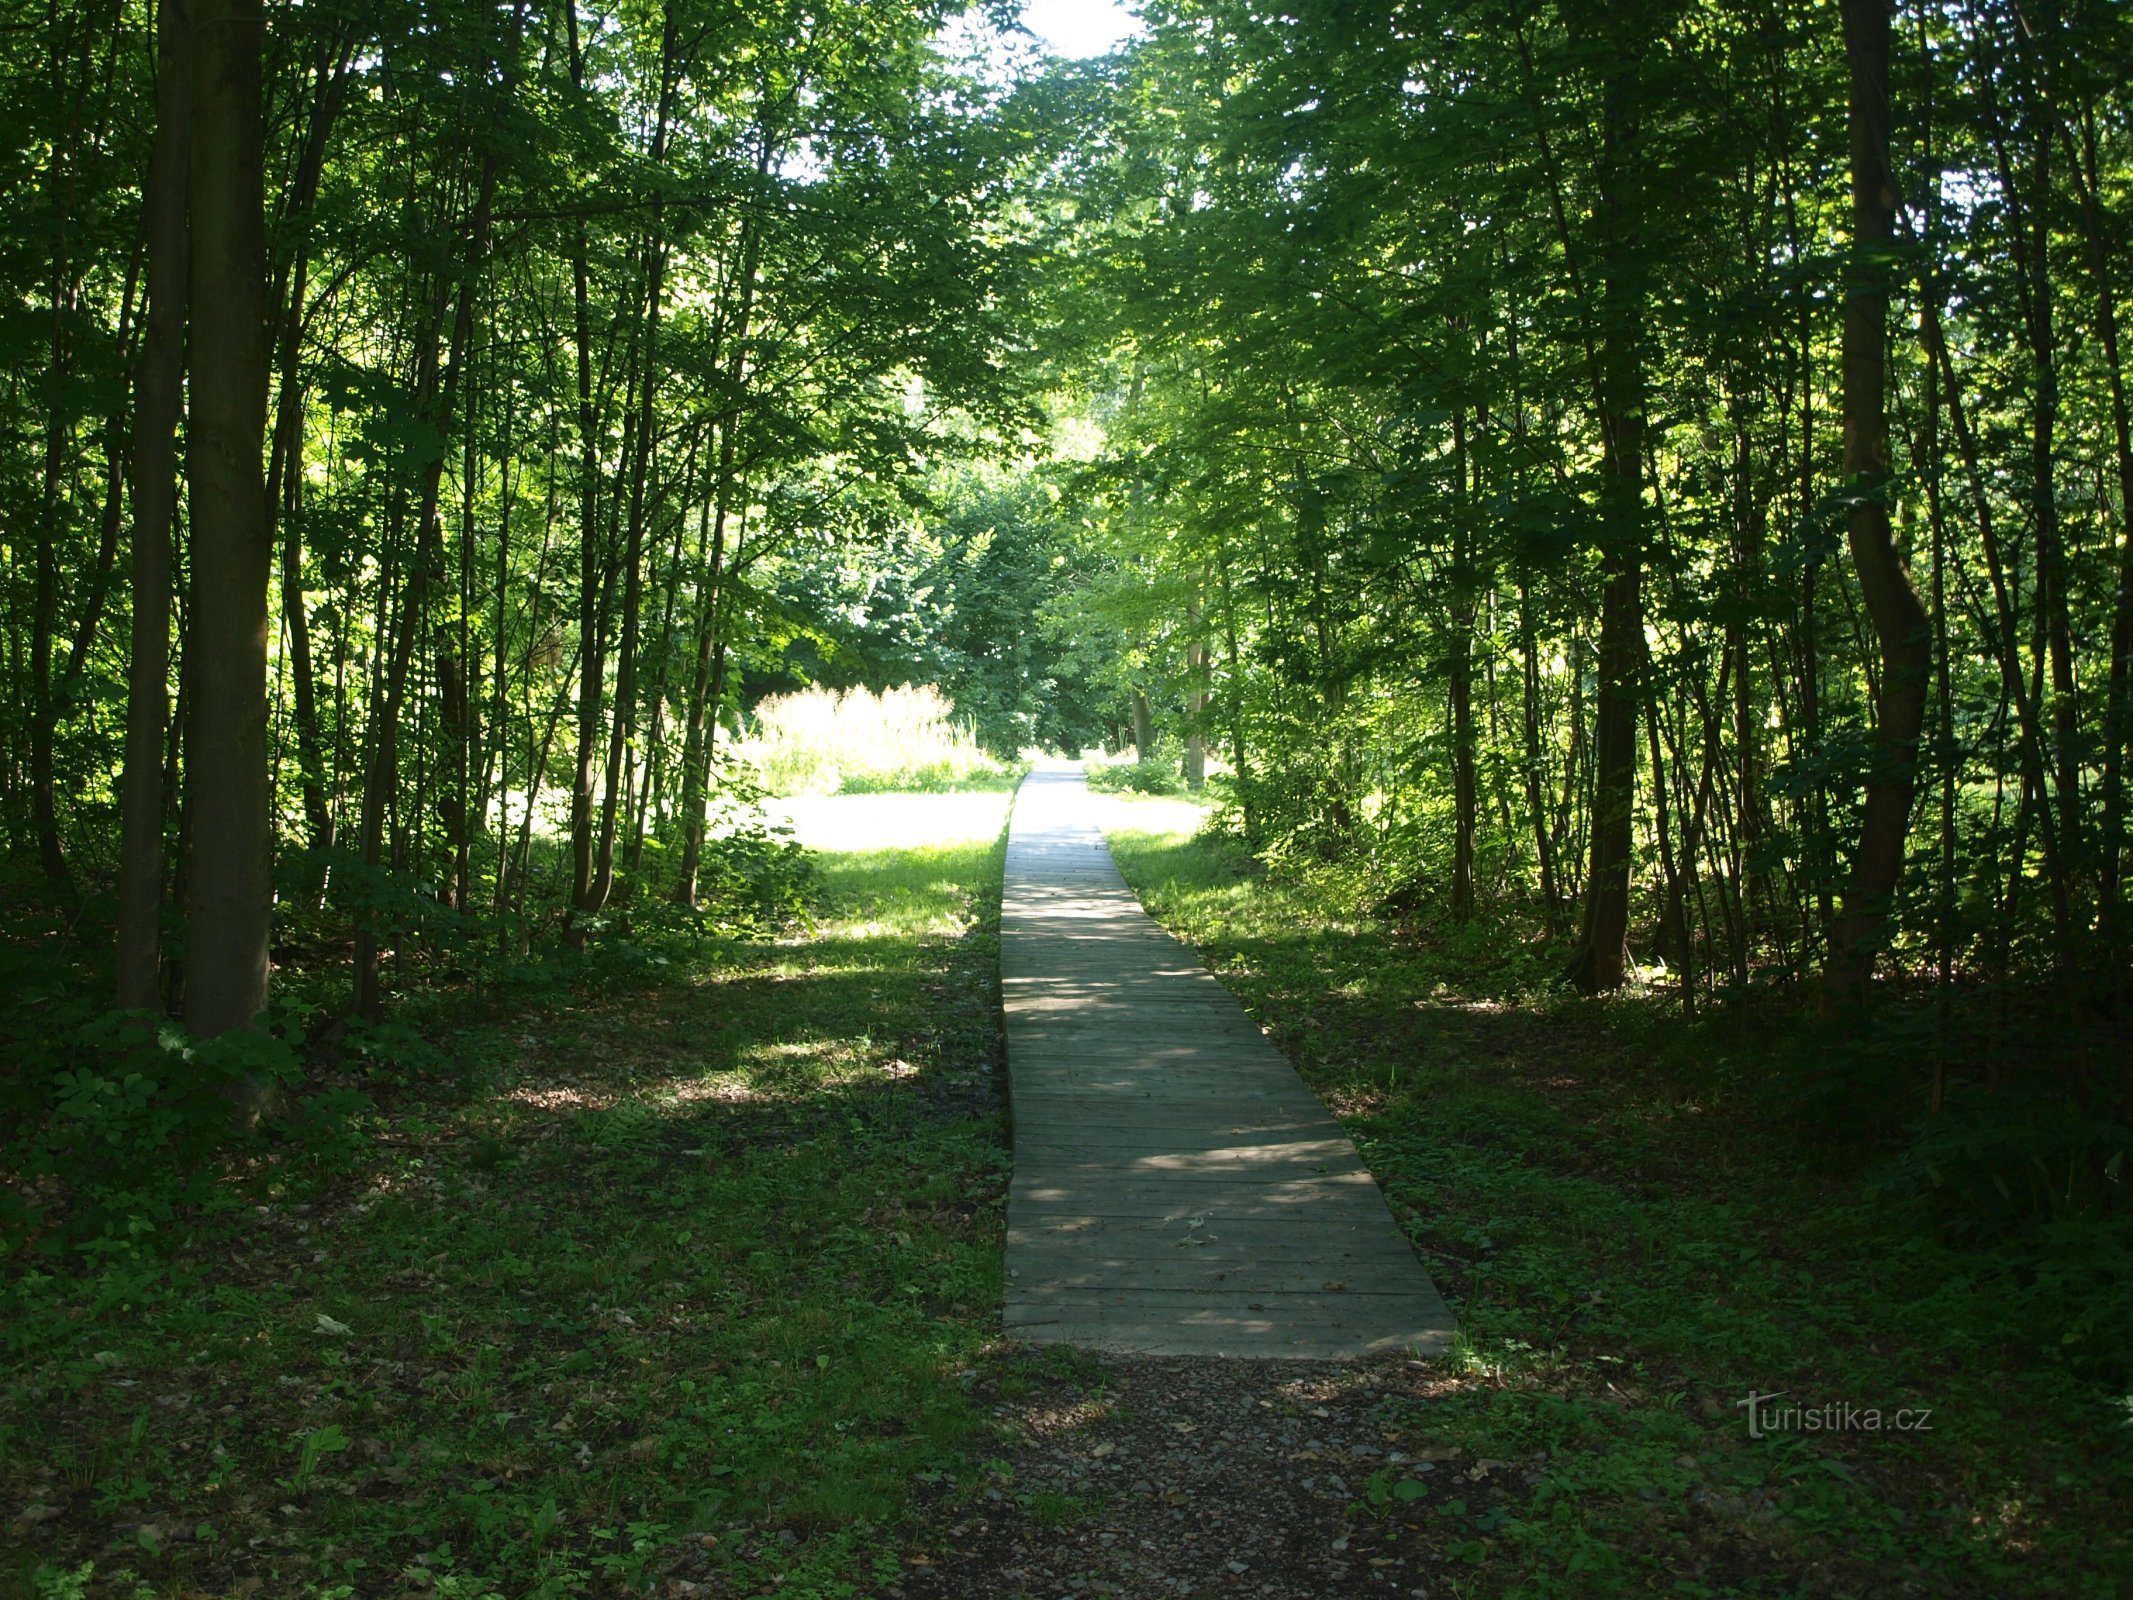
<point x="1177" y="1189"/>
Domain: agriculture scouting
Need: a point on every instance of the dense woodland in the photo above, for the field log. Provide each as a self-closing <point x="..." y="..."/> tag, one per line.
<point x="1659" y="470"/>
<point x="1638" y="496"/>
<point x="1655" y="475"/>
<point x="1654" y="479"/>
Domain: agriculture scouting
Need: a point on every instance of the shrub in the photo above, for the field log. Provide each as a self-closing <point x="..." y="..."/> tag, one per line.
<point x="124" y="1129"/>
<point x="1149" y="775"/>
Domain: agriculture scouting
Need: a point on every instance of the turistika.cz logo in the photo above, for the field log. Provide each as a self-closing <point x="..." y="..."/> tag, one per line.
<point x="1766" y="1415"/>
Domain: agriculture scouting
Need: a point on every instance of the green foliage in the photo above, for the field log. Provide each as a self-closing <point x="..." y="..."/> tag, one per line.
<point x="951" y="599"/>
<point x="2036" y="1188"/>
<point x="679" y="1277"/>
<point x="1148" y="775"/>
<point x="1346" y="303"/>
<point x="1638" y="1228"/>
<point x="127" y="1127"/>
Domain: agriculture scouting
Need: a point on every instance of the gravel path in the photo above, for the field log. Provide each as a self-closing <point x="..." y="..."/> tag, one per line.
<point x="1174" y="1478"/>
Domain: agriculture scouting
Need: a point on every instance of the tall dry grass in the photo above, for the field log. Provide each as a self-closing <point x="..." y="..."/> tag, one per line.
<point x="826" y="741"/>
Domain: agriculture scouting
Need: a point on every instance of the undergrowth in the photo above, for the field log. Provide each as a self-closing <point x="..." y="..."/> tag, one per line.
<point x="670" y="1274"/>
<point x="1643" y="1221"/>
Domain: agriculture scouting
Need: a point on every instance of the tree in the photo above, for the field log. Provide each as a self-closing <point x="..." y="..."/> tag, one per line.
<point x="230" y="913"/>
<point x="156" y="407"/>
<point x="1900" y="625"/>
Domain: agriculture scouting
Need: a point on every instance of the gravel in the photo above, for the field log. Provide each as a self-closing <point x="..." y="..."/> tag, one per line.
<point x="1171" y="1478"/>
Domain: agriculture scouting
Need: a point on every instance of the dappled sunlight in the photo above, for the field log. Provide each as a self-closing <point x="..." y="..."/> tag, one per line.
<point x="722" y="1090"/>
<point x="822" y="741"/>
<point x="557" y="1098"/>
<point x="1057" y="1419"/>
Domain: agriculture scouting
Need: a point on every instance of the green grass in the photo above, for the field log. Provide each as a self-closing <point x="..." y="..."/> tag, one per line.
<point x="680" y="1278"/>
<point x="1634" y="1241"/>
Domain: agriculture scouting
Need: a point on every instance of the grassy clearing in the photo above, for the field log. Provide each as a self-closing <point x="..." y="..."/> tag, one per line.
<point x="681" y="1282"/>
<point x="826" y="741"/>
<point x="1635" y="1243"/>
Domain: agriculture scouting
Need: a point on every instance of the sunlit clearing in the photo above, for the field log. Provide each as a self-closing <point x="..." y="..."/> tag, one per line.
<point x="851" y="823"/>
<point x="823" y="741"/>
<point x="1154" y="815"/>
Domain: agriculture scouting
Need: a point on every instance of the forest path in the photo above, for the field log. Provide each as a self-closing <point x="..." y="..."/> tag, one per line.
<point x="1177" y="1189"/>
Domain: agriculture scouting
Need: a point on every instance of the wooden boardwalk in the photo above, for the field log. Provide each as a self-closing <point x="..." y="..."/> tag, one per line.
<point x="1177" y="1189"/>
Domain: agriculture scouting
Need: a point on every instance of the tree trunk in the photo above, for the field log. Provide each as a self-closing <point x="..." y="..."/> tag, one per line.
<point x="381" y="781"/>
<point x="2029" y="235"/>
<point x="157" y="397"/>
<point x="230" y="916"/>
<point x="707" y="684"/>
<point x="1240" y="773"/>
<point x="704" y="688"/>
<point x="1599" y="962"/>
<point x="655" y="261"/>
<point x="285" y="475"/>
<point x="1530" y="727"/>
<point x="1465" y="791"/>
<point x="1195" y="697"/>
<point x="592" y="558"/>
<point x="1899" y="621"/>
<point x="2118" y="703"/>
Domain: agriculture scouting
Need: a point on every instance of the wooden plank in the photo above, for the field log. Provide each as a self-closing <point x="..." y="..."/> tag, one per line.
<point x="1177" y="1189"/>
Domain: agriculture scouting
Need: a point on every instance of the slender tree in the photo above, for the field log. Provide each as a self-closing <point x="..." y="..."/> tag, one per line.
<point x="1899" y="621"/>
<point x="156" y="407"/>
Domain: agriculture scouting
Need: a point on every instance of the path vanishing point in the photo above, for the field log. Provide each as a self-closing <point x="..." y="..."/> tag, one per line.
<point x="1177" y="1189"/>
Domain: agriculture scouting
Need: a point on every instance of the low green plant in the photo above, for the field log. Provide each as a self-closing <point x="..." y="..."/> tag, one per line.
<point x="125" y="1122"/>
<point x="1641" y="1220"/>
<point x="1147" y="775"/>
<point x="665" y="1270"/>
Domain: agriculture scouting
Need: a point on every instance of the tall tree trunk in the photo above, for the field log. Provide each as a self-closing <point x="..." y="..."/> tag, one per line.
<point x="2118" y="703"/>
<point x="2029" y="234"/>
<point x="425" y="570"/>
<point x="1195" y="696"/>
<point x="1900" y="624"/>
<point x="651" y="796"/>
<point x="157" y="397"/>
<point x="230" y="916"/>
<point x="592" y="557"/>
<point x="285" y="476"/>
<point x="455" y="696"/>
<point x="1530" y="727"/>
<point x="1465" y="791"/>
<point x="704" y="685"/>
<point x="655" y="262"/>
<point x="1240" y="773"/>
<point x="1143" y="725"/>
<point x="707" y="684"/>
<point x="1603" y="946"/>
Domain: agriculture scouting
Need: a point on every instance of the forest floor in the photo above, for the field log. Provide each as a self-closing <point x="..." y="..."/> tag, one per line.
<point x="672" y="1279"/>
<point x="1636" y="1242"/>
<point x="682" y="1278"/>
